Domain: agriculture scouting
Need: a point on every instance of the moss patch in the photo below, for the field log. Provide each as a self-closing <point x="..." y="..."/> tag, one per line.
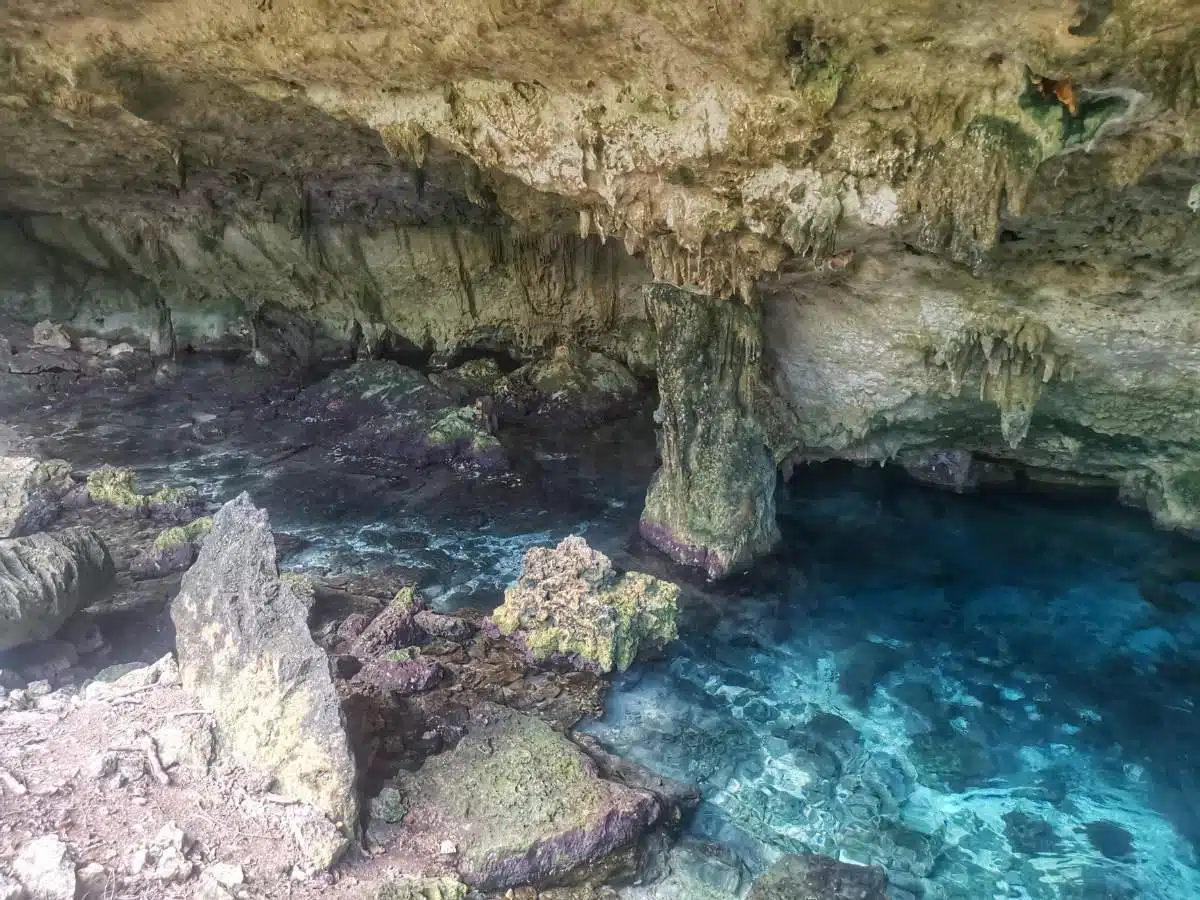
<point x="184" y="534"/>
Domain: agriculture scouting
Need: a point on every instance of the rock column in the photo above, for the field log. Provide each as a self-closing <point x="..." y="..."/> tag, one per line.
<point x="712" y="502"/>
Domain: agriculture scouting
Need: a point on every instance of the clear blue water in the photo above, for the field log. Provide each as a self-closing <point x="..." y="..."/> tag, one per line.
<point x="972" y="692"/>
<point x="993" y="697"/>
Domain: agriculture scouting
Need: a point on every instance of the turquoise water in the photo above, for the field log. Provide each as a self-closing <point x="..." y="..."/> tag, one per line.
<point x="991" y="697"/>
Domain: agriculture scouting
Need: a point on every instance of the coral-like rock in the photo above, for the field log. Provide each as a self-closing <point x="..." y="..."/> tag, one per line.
<point x="569" y="600"/>
<point x="246" y="653"/>
<point x="521" y="804"/>
<point x="46" y="578"/>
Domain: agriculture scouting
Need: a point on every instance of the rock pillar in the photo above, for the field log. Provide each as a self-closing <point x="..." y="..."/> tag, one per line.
<point x="712" y="502"/>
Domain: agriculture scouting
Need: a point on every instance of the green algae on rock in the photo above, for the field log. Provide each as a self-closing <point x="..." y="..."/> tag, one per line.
<point x="412" y="887"/>
<point x="569" y="600"/>
<point x="460" y="427"/>
<point x="712" y="502"/>
<point x="117" y="486"/>
<point x="521" y="803"/>
<point x="184" y="534"/>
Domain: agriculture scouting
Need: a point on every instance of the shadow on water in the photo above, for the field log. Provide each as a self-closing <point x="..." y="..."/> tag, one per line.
<point x="990" y="695"/>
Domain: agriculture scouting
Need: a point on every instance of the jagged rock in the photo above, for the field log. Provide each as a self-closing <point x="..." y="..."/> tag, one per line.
<point x="51" y="334"/>
<point x="951" y="469"/>
<point x="191" y="745"/>
<point x="569" y="600"/>
<point x="572" y="388"/>
<point x="321" y="842"/>
<point x="402" y="677"/>
<point x="394" y="628"/>
<point x="436" y="625"/>
<point x="520" y="803"/>
<point x="47" y="578"/>
<point x="812" y="877"/>
<point x="410" y="887"/>
<point x="31" y="494"/>
<point x="118" y="487"/>
<point x="246" y="653"/>
<point x="712" y="502"/>
<point x="45" y="867"/>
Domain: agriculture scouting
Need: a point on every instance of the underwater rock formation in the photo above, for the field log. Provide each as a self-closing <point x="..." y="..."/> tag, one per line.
<point x="570" y="602"/>
<point x="712" y="502"/>
<point x="812" y="877"/>
<point x="45" y="578"/>
<point x="245" y="652"/>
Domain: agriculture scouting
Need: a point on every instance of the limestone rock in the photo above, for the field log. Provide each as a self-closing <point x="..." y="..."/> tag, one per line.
<point x="712" y="502"/>
<point x="11" y="890"/>
<point x="52" y="335"/>
<point x="31" y="493"/>
<point x="566" y="818"/>
<point x="174" y="550"/>
<point x="365" y="390"/>
<point x="45" y="867"/>
<point x="94" y="881"/>
<point x="321" y="842"/>
<point x="246" y="653"/>
<point x="473" y="379"/>
<point x="573" y="387"/>
<point x="410" y="887"/>
<point x="118" y="487"/>
<point x="812" y="877"/>
<point x="569" y="600"/>
<point x="47" y="578"/>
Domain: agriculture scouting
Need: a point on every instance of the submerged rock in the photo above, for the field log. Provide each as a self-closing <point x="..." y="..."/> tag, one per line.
<point x="245" y="651"/>
<point x="570" y="601"/>
<point x="521" y="804"/>
<point x="46" y="578"/>
<point x="812" y="877"/>
<point x="31" y="493"/>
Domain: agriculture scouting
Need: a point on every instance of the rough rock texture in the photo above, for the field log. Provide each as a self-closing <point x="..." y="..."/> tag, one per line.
<point x="712" y="502"/>
<point x="118" y="487"/>
<point x="813" y="877"/>
<point x="245" y="651"/>
<point x="521" y="804"/>
<point x="413" y="888"/>
<point x="45" y="867"/>
<point x="570" y="601"/>
<point x="972" y="227"/>
<point x="46" y="578"/>
<point x="574" y="387"/>
<point x="31" y="493"/>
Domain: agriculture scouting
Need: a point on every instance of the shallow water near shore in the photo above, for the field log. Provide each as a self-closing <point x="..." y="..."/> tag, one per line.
<point x="991" y="696"/>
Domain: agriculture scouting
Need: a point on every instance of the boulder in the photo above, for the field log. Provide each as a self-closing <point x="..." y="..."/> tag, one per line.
<point x="570" y="600"/>
<point x="812" y="877"/>
<point x="368" y="389"/>
<point x="46" y="578"/>
<point x="174" y="550"/>
<point x="118" y="487"/>
<point x="246" y="653"/>
<point x="449" y="436"/>
<point x="473" y="379"/>
<point x="45" y="867"/>
<point x="31" y="493"/>
<point x="521" y="804"/>
<point x="51" y="334"/>
<point x="573" y="388"/>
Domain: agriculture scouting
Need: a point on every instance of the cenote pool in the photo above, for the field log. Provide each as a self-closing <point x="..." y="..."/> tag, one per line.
<point x="991" y="696"/>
